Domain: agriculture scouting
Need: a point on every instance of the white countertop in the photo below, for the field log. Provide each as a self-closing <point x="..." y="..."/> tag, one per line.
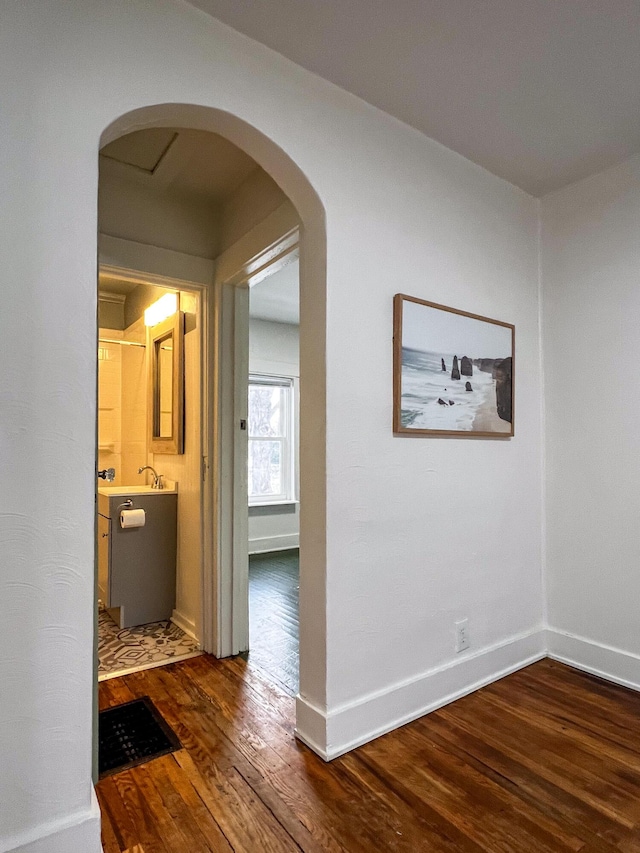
<point x="118" y="491"/>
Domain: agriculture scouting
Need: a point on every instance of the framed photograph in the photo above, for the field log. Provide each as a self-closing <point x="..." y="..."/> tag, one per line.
<point x="452" y="371"/>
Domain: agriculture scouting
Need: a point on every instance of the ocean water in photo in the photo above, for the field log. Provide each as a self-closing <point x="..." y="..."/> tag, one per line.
<point x="424" y="382"/>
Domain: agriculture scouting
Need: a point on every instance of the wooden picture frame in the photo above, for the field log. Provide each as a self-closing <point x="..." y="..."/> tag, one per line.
<point x="165" y="382"/>
<point x="453" y="371"/>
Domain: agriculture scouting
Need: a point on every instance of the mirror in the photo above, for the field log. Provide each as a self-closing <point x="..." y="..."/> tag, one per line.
<point x="165" y="348"/>
<point x="164" y="383"/>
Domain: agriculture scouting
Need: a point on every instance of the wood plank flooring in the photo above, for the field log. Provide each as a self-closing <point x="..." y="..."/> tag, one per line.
<point x="548" y="759"/>
<point x="274" y="580"/>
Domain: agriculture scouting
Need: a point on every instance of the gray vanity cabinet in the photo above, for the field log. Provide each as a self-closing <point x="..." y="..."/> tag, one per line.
<point x="137" y="565"/>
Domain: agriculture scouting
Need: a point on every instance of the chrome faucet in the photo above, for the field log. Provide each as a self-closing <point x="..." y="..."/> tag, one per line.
<point x="157" y="478"/>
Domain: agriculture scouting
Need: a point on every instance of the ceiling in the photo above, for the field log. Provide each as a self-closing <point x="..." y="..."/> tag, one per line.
<point x="187" y="163"/>
<point x="539" y="92"/>
<point x="115" y="286"/>
<point x="170" y="164"/>
<point x="277" y="297"/>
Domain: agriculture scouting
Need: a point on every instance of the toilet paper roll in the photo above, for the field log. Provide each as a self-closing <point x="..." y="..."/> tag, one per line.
<point x="132" y="518"/>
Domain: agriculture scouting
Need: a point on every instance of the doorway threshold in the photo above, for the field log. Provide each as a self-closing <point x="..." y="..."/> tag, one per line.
<point x="105" y="676"/>
<point x="126" y="650"/>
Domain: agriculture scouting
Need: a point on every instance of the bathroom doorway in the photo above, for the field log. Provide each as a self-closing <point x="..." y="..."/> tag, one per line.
<point x="149" y="500"/>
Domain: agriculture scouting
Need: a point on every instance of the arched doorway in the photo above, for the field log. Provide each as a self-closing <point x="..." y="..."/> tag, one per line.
<point x="221" y="607"/>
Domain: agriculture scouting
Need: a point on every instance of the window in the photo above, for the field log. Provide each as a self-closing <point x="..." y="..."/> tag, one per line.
<point x="270" y="439"/>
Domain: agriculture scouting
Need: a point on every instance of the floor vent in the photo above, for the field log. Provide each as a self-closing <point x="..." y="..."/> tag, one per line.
<point x="131" y="734"/>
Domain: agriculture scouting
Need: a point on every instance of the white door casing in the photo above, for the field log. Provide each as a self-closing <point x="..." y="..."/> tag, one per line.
<point x="268" y="246"/>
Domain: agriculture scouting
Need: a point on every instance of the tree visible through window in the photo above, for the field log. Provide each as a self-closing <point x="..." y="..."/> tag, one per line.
<point x="270" y="449"/>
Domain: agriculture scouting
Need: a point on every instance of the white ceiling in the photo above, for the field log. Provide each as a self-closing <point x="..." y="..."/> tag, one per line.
<point x="539" y="92"/>
<point x="277" y="297"/>
<point x="186" y="163"/>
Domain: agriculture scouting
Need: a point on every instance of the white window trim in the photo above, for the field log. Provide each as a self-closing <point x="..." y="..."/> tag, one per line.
<point x="288" y="496"/>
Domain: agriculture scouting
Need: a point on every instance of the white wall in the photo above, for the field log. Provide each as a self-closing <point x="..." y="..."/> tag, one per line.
<point x="418" y="532"/>
<point x="134" y="211"/>
<point x="250" y="203"/>
<point x="591" y="273"/>
<point x="424" y="532"/>
<point x="274" y="349"/>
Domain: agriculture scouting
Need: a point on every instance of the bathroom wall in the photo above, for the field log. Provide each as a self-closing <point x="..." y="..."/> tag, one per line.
<point x="110" y="311"/>
<point x="110" y="402"/>
<point x="139" y="300"/>
<point x="185" y="469"/>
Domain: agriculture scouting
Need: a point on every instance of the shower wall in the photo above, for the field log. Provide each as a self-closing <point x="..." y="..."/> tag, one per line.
<point x="122" y="404"/>
<point x="134" y="406"/>
<point x="110" y="402"/>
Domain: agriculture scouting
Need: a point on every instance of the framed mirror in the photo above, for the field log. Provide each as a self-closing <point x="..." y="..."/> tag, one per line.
<point x="165" y="372"/>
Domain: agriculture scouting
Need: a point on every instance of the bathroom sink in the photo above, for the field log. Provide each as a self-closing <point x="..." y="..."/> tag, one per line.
<point x="113" y="491"/>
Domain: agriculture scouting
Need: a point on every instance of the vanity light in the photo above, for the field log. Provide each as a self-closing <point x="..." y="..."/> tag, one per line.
<point x="160" y="310"/>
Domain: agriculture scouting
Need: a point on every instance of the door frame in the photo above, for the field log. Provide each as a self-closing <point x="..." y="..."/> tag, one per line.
<point x="263" y="251"/>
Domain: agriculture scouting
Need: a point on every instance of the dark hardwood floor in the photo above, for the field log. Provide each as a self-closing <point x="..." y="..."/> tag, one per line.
<point x="548" y="759"/>
<point x="274" y="581"/>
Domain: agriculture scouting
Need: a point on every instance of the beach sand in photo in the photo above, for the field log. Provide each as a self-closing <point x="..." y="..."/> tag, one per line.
<point x="487" y="418"/>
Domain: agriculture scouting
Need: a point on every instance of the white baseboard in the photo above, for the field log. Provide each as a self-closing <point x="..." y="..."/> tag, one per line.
<point x="595" y="658"/>
<point x="78" y="833"/>
<point x="355" y="723"/>
<point x="274" y="543"/>
<point x="186" y="625"/>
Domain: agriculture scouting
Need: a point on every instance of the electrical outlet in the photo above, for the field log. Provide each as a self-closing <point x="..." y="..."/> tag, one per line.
<point x="462" y="635"/>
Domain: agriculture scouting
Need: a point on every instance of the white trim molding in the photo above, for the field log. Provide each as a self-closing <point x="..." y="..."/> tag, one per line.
<point x="80" y="831"/>
<point x="595" y="658"/>
<point x="337" y="731"/>
<point x="144" y="264"/>
<point x="185" y="624"/>
<point x="285" y="542"/>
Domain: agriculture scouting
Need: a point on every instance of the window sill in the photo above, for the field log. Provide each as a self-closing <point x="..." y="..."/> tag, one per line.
<point x="272" y="503"/>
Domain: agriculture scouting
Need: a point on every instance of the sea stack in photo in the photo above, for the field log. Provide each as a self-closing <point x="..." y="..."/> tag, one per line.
<point x="455" y="372"/>
<point x="466" y="367"/>
<point x="467" y="386"/>
<point x="444" y="366"/>
<point x="504" y="403"/>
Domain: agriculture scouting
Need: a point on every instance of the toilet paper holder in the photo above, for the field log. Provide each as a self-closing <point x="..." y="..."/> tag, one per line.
<point x="128" y="504"/>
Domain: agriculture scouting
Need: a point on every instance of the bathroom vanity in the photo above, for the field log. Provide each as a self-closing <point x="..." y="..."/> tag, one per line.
<point x="137" y="565"/>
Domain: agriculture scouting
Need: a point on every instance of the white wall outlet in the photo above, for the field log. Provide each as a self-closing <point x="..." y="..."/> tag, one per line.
<point x="462" y="635"/>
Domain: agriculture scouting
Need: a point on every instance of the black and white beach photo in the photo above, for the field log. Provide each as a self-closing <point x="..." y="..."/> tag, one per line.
<point x="453" y="371"/>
